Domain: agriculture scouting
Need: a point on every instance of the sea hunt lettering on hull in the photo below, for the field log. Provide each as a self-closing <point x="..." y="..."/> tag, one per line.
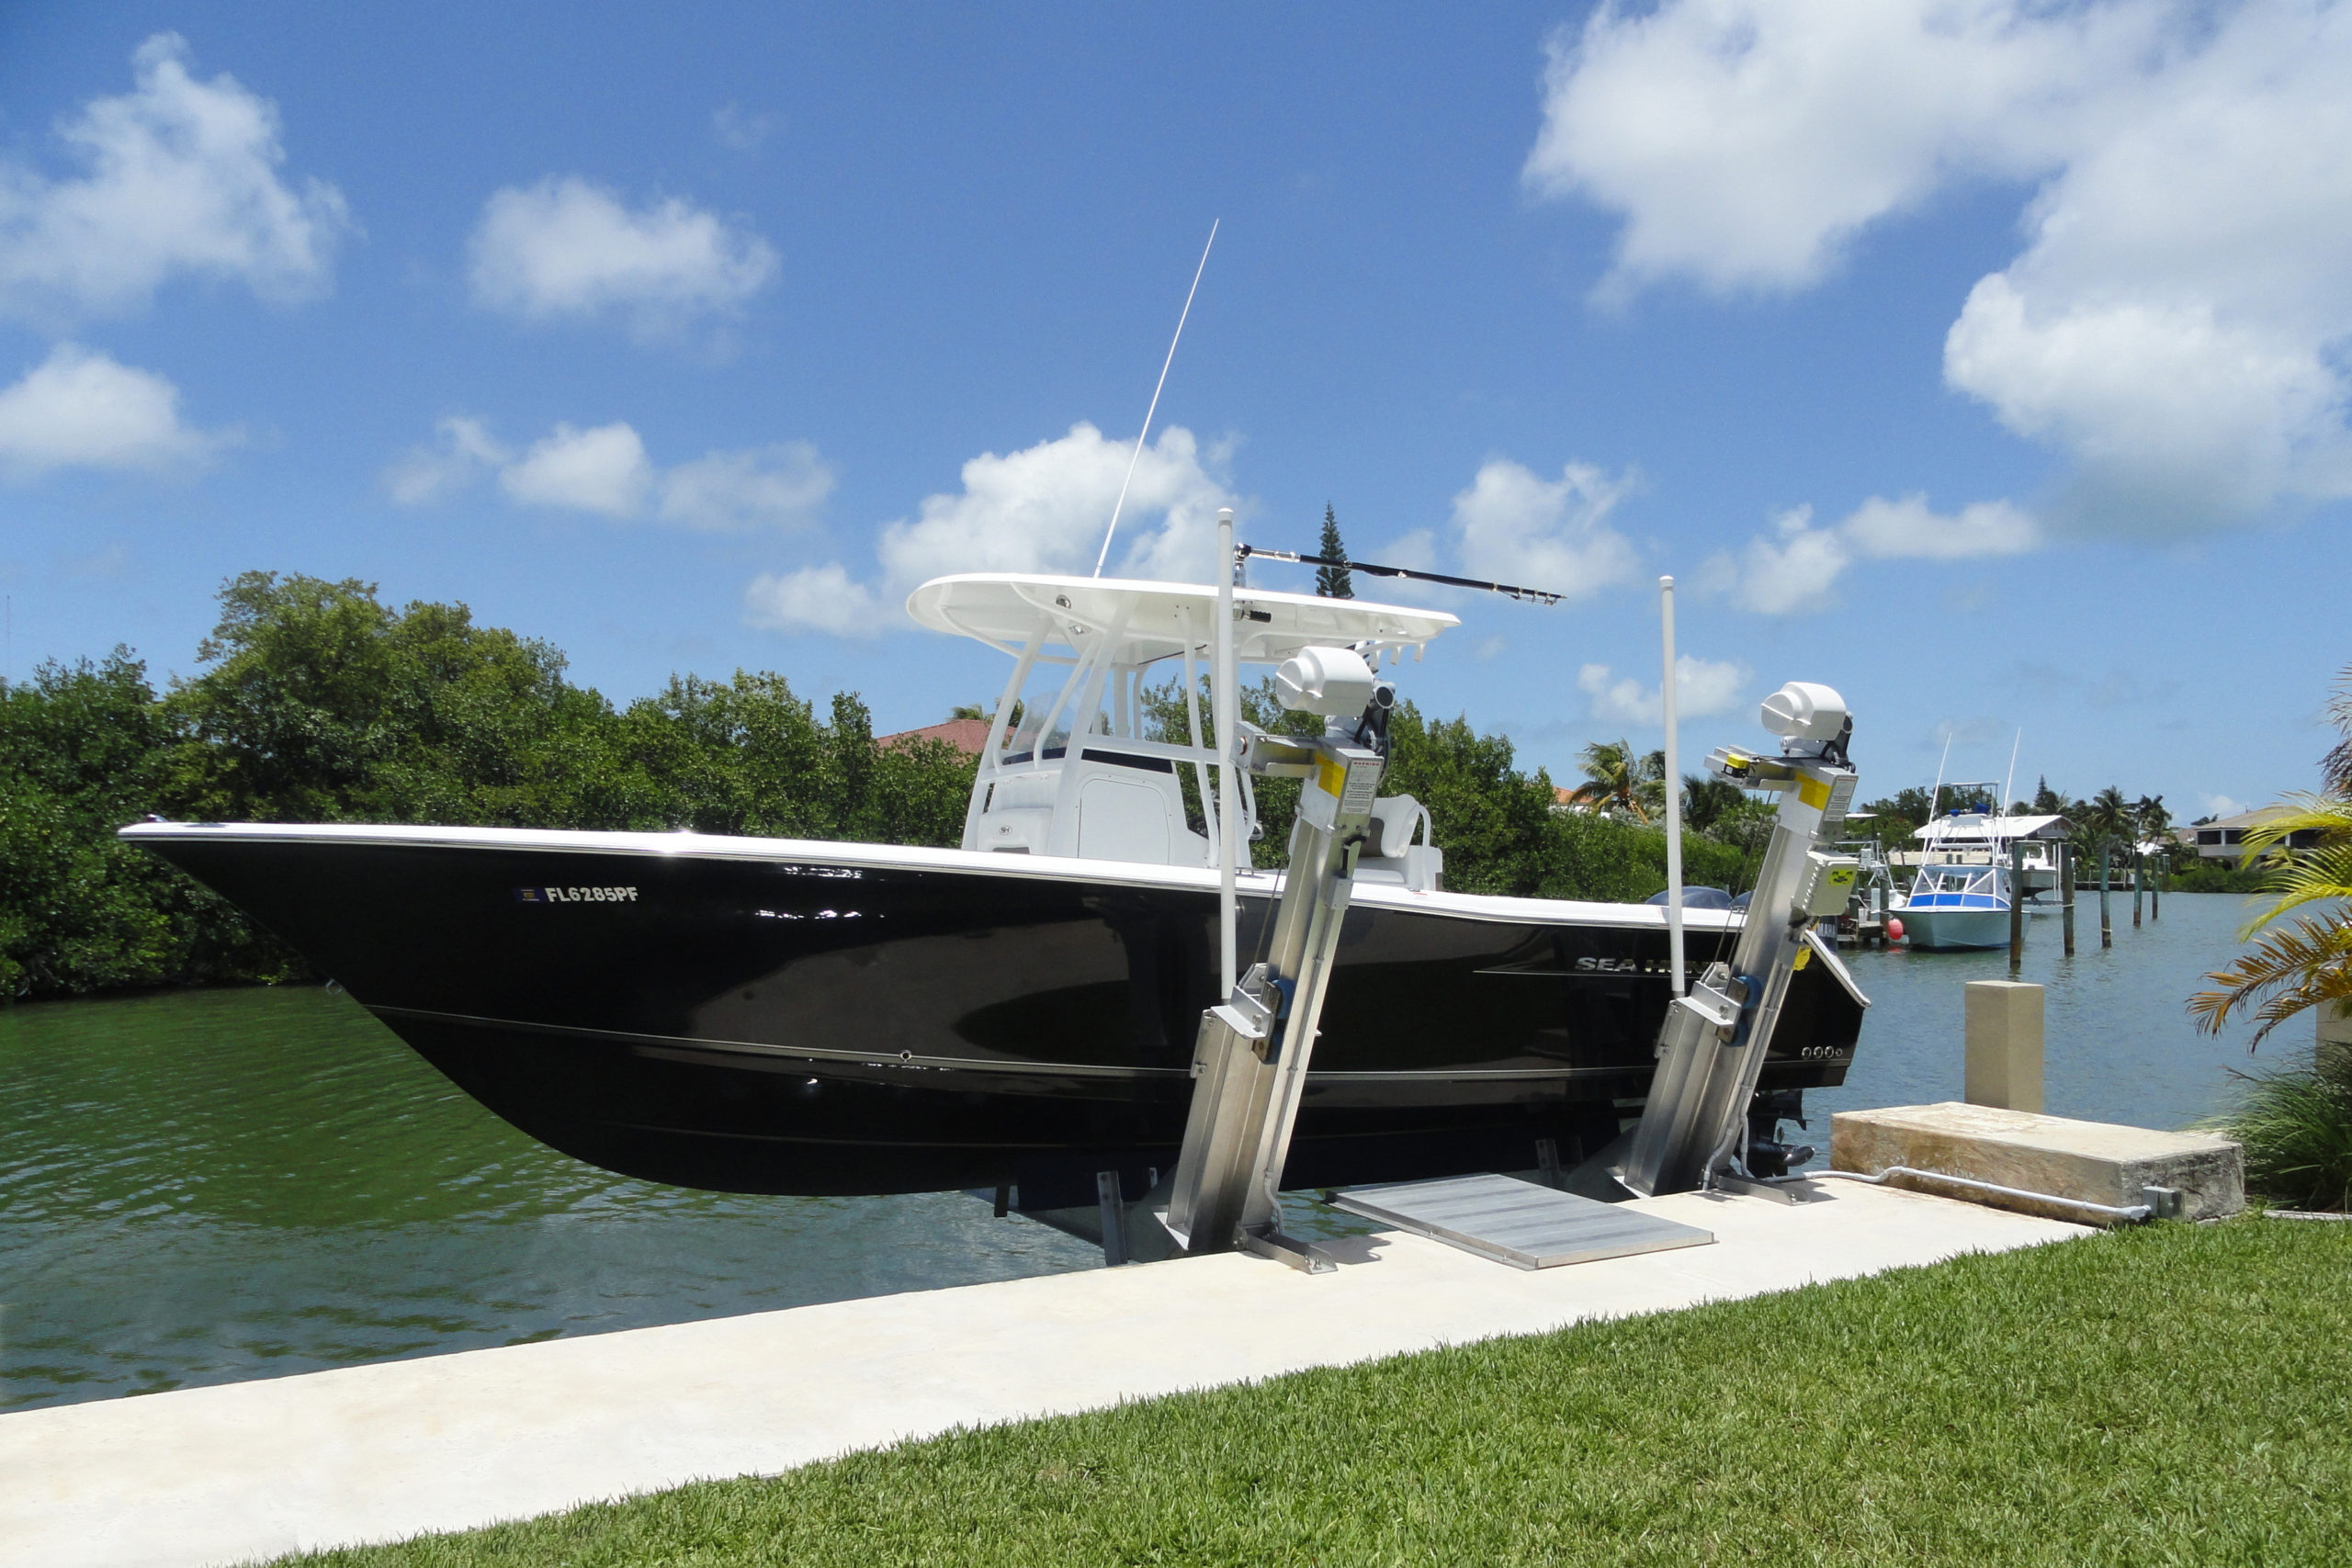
<point x="1548" y="966"/>
<point x="575" y="894"/>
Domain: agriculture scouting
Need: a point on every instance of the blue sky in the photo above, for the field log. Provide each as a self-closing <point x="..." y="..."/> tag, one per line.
<point x="1983" y="360"/>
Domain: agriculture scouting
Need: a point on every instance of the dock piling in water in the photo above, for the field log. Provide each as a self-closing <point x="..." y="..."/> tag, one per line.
<point x="2106" y="921"/>
<point x="2066" y="896"/>
<point x="2016" y="906"/>
<point x="2139" y="883"/>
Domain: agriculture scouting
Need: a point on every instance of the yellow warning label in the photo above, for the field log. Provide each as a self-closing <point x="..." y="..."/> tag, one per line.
<point x="1842" y="875"/>
<point x="1804" y="957"/>
<point x="1813" y="791"/>
<point x="1331" y="776"/>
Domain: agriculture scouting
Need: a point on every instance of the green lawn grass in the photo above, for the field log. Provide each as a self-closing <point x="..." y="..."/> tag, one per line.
<point x="2175" y="1393"/>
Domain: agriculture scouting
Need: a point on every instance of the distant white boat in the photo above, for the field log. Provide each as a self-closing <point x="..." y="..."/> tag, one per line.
<point x="1962" y="885"/>
<point x="1957" y="906"/>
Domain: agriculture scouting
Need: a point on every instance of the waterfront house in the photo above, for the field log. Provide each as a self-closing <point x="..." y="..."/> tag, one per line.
<point x="2223" y="837"/>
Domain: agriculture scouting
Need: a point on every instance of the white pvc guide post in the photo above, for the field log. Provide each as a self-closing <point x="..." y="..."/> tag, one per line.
<point x="1228" y="746"/>
<point x="1673" y="794"/>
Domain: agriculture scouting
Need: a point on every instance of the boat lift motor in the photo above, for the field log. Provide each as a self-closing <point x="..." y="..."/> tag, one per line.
<point x="1249" y="1059"/>
<point x="1713" y="1043"/>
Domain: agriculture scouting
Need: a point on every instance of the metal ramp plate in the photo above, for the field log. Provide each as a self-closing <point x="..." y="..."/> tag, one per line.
<point x="1516" y="1222"/>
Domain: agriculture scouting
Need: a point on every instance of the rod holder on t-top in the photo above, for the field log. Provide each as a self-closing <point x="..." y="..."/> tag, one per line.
<point x="1713" y="1043"/>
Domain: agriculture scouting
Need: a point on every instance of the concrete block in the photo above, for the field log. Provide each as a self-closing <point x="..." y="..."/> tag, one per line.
<point x="2335" y="1031"/>
<point x="2094" y="1162"/>
<point x="2004" y="1045"/>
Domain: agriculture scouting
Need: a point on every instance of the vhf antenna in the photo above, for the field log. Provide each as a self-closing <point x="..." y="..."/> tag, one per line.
<point x="1121" y="504"/>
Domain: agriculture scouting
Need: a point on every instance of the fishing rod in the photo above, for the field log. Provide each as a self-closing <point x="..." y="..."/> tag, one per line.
<point x="1372" y="569"/>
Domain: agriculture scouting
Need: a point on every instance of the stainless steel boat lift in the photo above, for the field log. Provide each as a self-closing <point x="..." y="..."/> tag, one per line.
<point x="1694" y="1128"/>
<point x="1251" y="1057"/>
<point x="1249" y="1060"/>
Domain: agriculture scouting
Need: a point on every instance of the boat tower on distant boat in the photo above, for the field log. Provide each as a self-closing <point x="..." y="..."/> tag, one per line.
<point x="1970" y="861"/>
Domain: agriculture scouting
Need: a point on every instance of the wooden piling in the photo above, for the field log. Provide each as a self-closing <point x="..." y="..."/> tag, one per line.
<point x="2156" y="891"/>
<point x="2066" y="895"/>
<point x="2017" y="905"/>
<point x="2105" y="922"/>
<point x="2139" y="884"/>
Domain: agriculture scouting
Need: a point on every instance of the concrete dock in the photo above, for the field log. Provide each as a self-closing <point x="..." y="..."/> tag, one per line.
<point x="248" y="1471"/>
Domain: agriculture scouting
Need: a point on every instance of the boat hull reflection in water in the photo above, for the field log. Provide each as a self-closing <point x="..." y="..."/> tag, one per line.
<point x="764" y="1016"/>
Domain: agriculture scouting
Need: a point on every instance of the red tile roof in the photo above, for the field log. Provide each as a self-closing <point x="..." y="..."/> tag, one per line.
<point x="967" y="735"/>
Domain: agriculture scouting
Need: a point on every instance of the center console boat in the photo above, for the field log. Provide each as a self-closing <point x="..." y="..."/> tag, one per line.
<point x="782" y="1016"/>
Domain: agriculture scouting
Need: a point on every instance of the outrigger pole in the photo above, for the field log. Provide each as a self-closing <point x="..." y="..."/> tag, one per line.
<point x="1372" y="569"/>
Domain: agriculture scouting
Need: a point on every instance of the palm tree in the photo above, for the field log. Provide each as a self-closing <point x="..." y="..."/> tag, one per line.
<point x="2297" y="965"/>
<point x="2109" y="814"/>
<point x="1706" y="799"/>
<point x="2306" y="963"/>
<point x="974" y="710"/>
<point x="2149" y="816"/>
<point x="1614" y="774"/>
<point x="1650" y="787"/>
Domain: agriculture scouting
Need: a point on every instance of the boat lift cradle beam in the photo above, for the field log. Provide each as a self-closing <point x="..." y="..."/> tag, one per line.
<point x="1713" y="1043"/>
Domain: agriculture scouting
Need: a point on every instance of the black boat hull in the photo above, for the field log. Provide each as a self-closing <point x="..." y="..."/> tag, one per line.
<point x="825" y="1019"/>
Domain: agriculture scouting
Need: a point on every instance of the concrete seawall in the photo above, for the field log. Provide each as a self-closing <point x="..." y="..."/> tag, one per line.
<point x="246" y="1470"/>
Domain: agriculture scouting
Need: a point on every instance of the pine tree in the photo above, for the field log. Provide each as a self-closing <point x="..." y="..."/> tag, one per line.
<point x="1332" y="582"/>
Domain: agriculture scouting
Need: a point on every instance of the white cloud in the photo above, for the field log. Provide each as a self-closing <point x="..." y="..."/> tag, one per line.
<point x="1908" y="530"/>
<point x="815" y="598"/>
<point x="1513" y="526"/>
<point x="1043" y="508"/>
<point x="2224" y="806"/>
<point x="607" y="470"/>
<point x="565" y="247"/>
<point x="182" y="176"/>
<point x="2178" y="321"/>
<point x="461" y="452"/>
<point x="82" y="409"/>
<point x="604" y="469"/>
<point x="1702" y="688"/>
<point x="1745" y="141"/>
<point x="1797" y="567"/>
<point x="779" y="486"/>
<point x="739" y="132"/>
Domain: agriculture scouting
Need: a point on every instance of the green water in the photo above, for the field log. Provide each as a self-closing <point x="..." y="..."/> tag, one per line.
<point x="210" y="1186"/>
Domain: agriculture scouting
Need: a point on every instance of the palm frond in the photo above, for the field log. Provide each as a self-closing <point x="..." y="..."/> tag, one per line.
<point x="2321" y="871"/>
<point x="2287" y="971"/>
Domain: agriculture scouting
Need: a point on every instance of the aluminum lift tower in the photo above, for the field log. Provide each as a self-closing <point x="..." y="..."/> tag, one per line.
<point x="1711" y="1045"/>
<point x="1249" y="1060"/>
